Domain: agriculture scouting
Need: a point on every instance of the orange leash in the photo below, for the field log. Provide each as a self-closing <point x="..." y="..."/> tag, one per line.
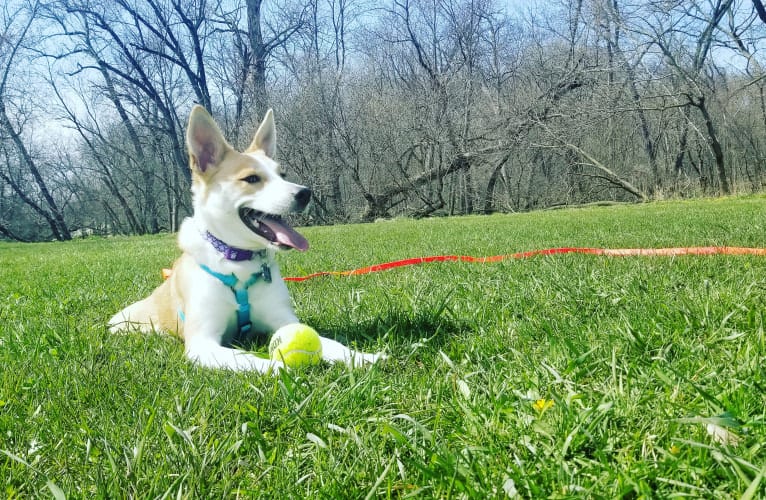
<point x="610" y="252"/>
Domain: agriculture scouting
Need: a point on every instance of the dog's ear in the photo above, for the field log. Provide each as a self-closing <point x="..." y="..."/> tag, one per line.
<point x="266" y="136"/>
<point x="205" y="141"/>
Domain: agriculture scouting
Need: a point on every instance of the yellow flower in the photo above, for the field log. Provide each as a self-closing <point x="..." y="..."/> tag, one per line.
<point x="541" y="405"/>
<point x="675" y="450"/>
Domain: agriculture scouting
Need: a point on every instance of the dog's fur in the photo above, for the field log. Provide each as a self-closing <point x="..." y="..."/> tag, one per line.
<point x="233" y="194"/>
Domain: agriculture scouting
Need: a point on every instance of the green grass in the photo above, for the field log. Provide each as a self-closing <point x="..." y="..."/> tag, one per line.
<point x="563" y="377"/>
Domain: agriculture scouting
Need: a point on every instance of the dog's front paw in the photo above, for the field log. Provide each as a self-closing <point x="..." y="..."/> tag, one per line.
<point x="335" y="352"/>
<point x="211" y="355"/>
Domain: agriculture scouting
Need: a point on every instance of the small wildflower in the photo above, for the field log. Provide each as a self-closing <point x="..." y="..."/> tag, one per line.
<point x="542" y="405"/>
<point x="675" y="450"/>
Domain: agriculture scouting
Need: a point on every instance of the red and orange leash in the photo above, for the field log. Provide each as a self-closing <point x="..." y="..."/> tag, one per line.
<point x="610" y="252"/>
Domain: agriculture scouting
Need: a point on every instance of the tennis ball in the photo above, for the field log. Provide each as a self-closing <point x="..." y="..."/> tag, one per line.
<point x="296" y="345"/>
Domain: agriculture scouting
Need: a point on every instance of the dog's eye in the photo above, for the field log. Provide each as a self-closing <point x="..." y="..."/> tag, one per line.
<point x="251" y="179"/>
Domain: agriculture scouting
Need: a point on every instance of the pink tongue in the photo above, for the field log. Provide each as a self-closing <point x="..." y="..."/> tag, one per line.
<point x="286" y="235"/>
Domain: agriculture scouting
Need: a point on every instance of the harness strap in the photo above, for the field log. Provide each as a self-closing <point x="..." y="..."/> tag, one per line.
<point x="240" y="293"/>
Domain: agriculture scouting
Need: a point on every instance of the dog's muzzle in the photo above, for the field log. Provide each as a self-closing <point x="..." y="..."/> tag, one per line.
<point x="273" y="228"/>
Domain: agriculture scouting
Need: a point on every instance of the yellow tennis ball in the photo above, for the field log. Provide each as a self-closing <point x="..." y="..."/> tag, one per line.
<point x="296" y="345"/>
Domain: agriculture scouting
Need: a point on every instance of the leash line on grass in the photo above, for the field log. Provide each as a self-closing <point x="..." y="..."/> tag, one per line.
<point x="609" y="252"/>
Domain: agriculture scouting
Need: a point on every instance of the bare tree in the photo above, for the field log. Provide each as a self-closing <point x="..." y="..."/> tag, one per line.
<point x="698" y="24"/>
<point x="147" y="55"/>
<point x="613" y="25"/>
<point x="255" y="40"/>
<point x="16" y="26"/>
<point x="410" y="107"/>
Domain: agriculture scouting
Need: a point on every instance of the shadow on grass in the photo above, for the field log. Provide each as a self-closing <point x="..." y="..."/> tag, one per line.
<point x="398" y="329"/>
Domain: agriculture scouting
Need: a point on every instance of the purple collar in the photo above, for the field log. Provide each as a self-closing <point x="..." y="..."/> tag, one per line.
<point x="229" y="252"/>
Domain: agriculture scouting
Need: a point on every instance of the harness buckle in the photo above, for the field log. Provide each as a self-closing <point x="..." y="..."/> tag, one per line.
<point x="266" y="272"/>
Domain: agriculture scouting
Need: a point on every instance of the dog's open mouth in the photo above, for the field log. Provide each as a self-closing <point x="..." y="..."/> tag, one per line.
<point x="273" y="229"/>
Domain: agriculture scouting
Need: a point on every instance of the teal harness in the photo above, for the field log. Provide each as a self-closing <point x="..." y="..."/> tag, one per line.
<point x="244" y="325"/>
<point x="239" y="289"/>
<point x="240" y="293"/>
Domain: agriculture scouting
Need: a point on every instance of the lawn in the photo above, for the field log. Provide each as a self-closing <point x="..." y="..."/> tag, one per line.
<point x="568" y="376"/>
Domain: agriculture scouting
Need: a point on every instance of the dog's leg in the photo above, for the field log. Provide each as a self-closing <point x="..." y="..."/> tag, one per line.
<point x="335" y="352"/>
<point x="154" y="313"/>
<point x="135" y="317"/>
<point x="209" y="354"/>
<point x="206" y="321"/>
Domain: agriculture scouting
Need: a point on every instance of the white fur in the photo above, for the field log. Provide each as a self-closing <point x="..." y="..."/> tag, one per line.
<point x="208" y="305"/>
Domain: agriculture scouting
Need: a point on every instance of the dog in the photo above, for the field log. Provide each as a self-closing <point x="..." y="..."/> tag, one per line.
<point x="226" y="287"/>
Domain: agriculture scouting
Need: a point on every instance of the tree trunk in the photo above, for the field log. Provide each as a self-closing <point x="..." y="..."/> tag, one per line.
<point x="608" y="174"/>
<point x="54" y="216"/>
<point x="258" y="53"/>
<point x="489" y="193"/>
<point x="142" y="162"/>
<point x="715" y="144"/>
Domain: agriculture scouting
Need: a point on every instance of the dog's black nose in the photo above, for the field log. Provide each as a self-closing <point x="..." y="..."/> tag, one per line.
<point x="302" y="198"/>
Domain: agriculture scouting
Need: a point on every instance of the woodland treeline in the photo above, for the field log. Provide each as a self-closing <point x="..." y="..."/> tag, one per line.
<point x="399" y="107"/>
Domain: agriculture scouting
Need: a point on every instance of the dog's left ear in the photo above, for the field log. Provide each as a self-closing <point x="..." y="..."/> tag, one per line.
<point x="206" y="143"/>
<point x="266" y="136"/>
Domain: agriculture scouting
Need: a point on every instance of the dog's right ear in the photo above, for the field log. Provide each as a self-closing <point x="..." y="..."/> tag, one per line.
<point x="205" y="141"/>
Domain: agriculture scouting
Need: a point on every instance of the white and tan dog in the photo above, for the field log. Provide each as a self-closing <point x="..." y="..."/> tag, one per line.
<point x="226" y="286"/>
